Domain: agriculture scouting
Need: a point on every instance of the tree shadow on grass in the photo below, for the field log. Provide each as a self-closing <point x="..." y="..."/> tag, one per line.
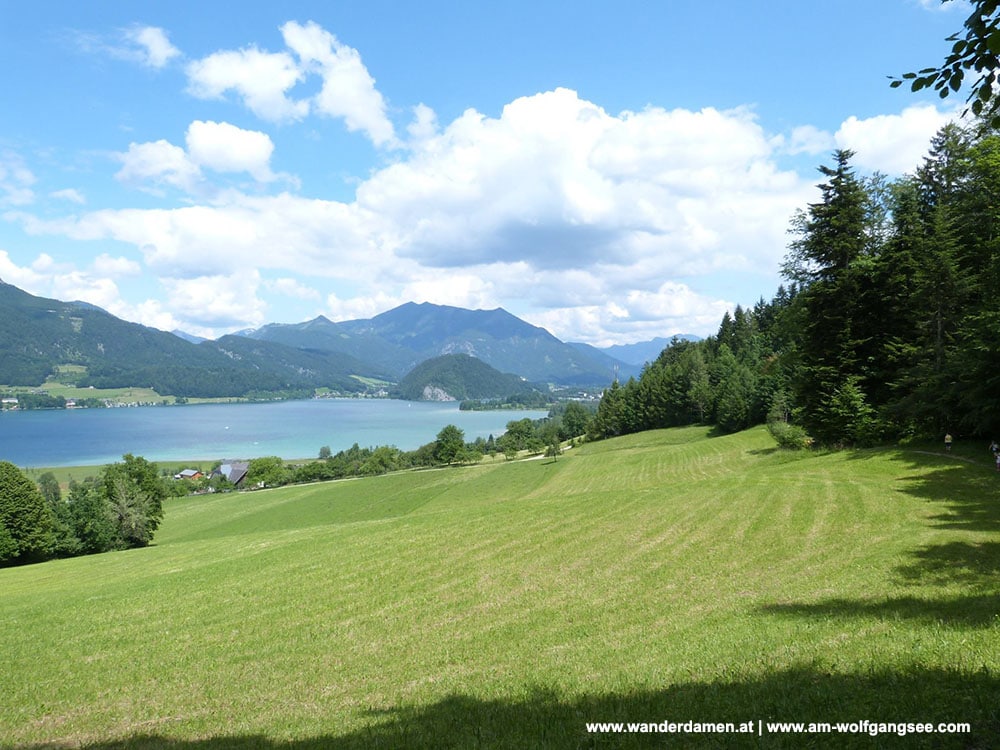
<point x="968" y="494"/>
<point x="972" y="564"/>
<point x="971" y="611"/>
<point x="542" y="720"/>
<point x="965" y="497"/>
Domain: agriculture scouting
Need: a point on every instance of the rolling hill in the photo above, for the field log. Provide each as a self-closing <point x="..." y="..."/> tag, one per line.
<point x="662" y="576"/>
<point x="42" y="334"/>
<point x="457" y="377"/>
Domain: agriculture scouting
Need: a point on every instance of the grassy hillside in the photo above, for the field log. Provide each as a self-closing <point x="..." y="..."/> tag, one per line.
<point x="662" y="576"/>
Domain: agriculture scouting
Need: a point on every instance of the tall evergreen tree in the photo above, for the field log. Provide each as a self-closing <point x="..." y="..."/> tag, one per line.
<point x="25" y="518"/>
<point x="829" y="258"/>
<point x="609" y="420"/>
<point x="976" y="364"/>
<point x="734" y="397"/>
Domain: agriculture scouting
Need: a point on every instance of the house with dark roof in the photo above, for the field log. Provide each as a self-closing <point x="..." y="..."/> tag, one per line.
<point x="234" y="471"/>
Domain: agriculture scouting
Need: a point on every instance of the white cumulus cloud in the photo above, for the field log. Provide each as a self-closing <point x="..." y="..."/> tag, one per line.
<point x="348" y="89"/>
<point x="894" y="144"/>
<point x="227" y="148"/>
<point x="558" y="182"/>
<point x="294" y="288"/>
<point x="218" y="146"/>
<point x="150" y="46"/>
<point x="602" y="227"/>
<point x="159" y="162"/>
<point x="265" y="81"/>
<point x="220" y="300"/>
<point x="261" y="79"/>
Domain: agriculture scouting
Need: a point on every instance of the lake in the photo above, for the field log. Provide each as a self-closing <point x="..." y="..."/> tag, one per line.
<point x="289" y="429"/>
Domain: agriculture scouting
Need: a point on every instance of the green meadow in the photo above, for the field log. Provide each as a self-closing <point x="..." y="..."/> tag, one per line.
<point x="664" y="576"/>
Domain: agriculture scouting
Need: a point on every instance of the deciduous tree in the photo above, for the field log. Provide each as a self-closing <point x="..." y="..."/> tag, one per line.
<point x="450" y="445"/>
<point x="974" y="62"/>
<point x="25" y="517"/>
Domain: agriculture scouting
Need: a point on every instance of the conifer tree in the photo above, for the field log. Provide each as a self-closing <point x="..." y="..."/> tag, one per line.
<point x="829" y="259"/>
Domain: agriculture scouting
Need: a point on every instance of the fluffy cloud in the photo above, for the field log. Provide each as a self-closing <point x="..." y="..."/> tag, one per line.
<point x="260" y="79"/>
<point x="600" y="227"/>
<point x="150" y="46"/>
<point x="264" y="81"/>
<point x="159" y="162"/>
<point x="105" y="265"/>
<point x="894" y="144"/>
<point x="348" y="89"/>
<point x="47" y="277"/>
<point x="358" y="307"/>
<point x="424" y="125"/>
<point x="559" y="183"/>
<point x="273" y="232"/>
<point x="227" y="148"/>
<point x="638" y="316"/>
<point x="218" y="146"/>
<point x="220" y="301"/>
<point x="294" y="288"/>
<point x="146" y="45"/>
<point x="808" y="139"/>
<point x="24" y="277"/>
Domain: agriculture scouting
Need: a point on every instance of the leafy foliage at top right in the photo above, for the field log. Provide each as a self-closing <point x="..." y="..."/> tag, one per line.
<point x="976" y="52"/>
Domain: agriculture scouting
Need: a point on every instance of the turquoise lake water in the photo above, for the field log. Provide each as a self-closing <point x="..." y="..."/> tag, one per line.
<point x="290" y="429"/>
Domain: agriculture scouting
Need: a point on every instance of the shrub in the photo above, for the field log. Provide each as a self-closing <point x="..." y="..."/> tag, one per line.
<point x="789" y="436"/>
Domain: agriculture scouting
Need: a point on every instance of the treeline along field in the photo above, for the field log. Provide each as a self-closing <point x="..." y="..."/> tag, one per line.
<point x="664" y="575"/>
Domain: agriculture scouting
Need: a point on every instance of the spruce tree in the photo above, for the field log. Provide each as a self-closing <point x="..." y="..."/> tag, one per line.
<point x="829" y="258"/>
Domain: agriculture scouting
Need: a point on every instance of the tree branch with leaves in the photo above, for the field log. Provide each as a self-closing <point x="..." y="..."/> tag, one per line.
<point x="974" y="53"/>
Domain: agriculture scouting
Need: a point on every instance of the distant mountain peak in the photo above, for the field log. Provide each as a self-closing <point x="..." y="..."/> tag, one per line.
<point x="86" y="305"/>
<point x="645" y="351"/>
<point x="189" y="337"/>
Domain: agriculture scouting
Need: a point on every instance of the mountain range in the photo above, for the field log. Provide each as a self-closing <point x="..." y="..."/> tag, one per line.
<point x="644" y="351"/>
<point x="397" y="340"/>
<point x="41" y="336"/>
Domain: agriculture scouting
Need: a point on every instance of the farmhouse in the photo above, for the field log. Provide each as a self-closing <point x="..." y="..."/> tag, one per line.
<point x="234" y="471"/>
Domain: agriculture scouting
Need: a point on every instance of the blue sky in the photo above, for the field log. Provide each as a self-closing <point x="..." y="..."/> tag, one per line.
<point x="611" y="171"/>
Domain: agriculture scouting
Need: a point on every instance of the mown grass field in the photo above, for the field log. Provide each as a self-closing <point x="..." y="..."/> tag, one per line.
<point x="662" y="576"/>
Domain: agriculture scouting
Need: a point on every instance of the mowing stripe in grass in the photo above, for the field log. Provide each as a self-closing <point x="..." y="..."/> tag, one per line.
<point x="662" y="575"/>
